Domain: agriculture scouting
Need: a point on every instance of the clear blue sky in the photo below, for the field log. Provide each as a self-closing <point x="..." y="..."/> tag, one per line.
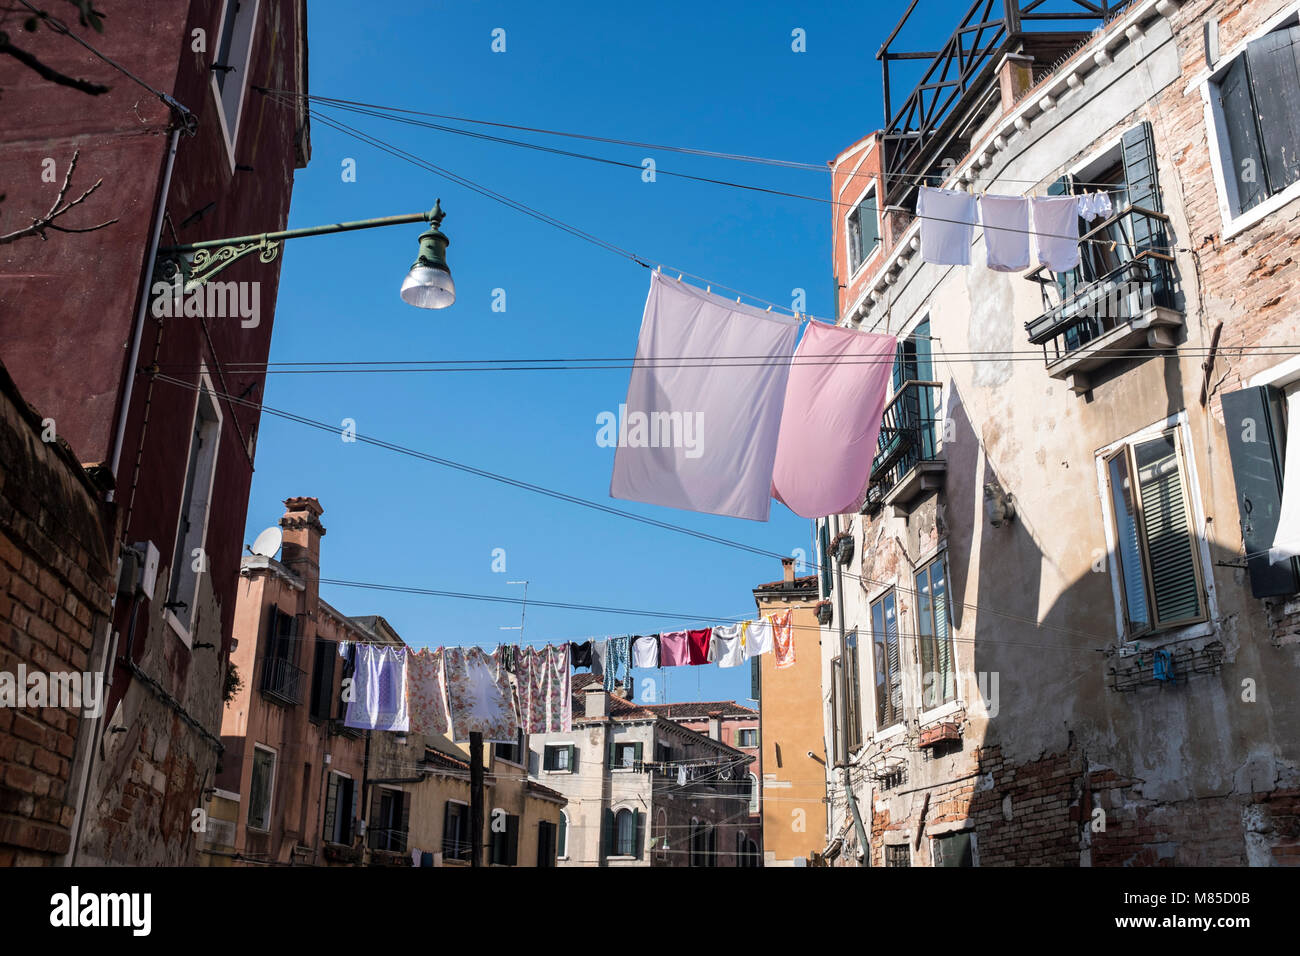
<point x="711" y="76"/>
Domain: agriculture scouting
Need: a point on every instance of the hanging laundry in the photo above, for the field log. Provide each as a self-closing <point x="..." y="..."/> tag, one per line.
<point x="427" y="693"/>
<point x="757" y="638"/>
<point x="545" y="690"/>
<point x="1092" y="205"/>
<point x="783" y="637"/>
<point x="599" y="651"/>
<point x="701" y="644"/>
<point x="833" y="405"/>
<point x="479" y="696"/>
<point x="681" y="776"/>
<point x="1056" y="231"/>
<point x="701" y="436"/>
<point x="948" y="219"/>
<point x="645" y="651"/>
<point x="378" y="689"/>
<point x="1006" y="232"/>
<point x="674" y="648"/>
<point x="580" y="654"/>
<point x="618" y="663"/>
<point x="727" y="650"/>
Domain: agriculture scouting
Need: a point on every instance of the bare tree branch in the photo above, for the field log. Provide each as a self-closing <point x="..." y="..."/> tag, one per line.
<point x="49" y="73"/>
<point x="59" y="208"/>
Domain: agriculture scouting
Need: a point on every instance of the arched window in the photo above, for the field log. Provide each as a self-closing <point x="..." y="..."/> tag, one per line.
<point x="562" y="840"/>
<point x="625" y="828"/>
<point x="661" y="834"/>
<point x="752" y="790"/>
<point x="697" y="851"/>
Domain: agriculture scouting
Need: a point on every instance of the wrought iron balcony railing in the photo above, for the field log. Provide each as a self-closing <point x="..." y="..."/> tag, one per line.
<point x="282" y="681"/>
<point x="1121" y="278"/>
<point x="910" y="434"/>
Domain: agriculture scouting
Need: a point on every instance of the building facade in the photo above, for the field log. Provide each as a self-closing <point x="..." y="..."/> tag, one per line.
<point x="641" y="789"/>
<point x="738" y="727"/>
<point x="1064" y="646"/>
<point x="790" y="705"/>
<point x="171" y="455"/>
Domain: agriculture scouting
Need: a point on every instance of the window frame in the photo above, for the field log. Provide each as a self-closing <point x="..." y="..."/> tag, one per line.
<point x="1158" y="635"/>
<point x="230" y="137"/>
<point x="568" y="747"/>
<point x="620" y="814"/>
<point x="1217" y="136"/>
<point x="521" y="749"/>
<point x="896" y="726"/>
<point x="206" y="395"/>
<point x="941" y="558"/>
<point x="351" y="828"/>
<point x="740" y="738"/>
<point x="936" y="841"/>
<point x="871" y="188"/>
<point x="270" y="790"/>
<point x="467" y="854"/>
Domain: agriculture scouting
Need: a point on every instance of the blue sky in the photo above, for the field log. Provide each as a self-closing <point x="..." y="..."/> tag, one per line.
<point x="710" y="76"/>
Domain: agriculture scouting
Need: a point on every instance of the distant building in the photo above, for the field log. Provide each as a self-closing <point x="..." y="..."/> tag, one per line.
<point x="738" y="727"/>
<point x="298" y="787"/>
<point x="642" y="789"/>
<point x="793" y="748"/>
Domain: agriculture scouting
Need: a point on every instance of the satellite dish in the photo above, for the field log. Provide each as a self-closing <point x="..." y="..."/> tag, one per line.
<point x="268" y="542"/>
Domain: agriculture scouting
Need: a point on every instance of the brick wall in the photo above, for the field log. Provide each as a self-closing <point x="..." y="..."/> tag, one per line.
<point x="56" y="586"/>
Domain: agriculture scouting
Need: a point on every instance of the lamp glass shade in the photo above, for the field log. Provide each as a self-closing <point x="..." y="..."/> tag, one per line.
<point x="428" y="288"/>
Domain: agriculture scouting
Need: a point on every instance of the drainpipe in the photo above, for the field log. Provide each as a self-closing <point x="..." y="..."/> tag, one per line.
<point x="842" y="693"/>
<point x="146" y="288"/>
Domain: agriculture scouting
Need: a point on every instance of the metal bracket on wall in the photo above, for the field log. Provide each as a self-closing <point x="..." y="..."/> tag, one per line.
<point x="206" y="263"/>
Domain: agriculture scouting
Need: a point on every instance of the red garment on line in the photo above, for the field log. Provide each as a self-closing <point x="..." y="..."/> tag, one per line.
<point x="700" y="642"/>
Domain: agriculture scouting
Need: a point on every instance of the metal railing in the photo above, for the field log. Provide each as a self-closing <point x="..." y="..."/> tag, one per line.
<point x="909" y="434"/>
<point x="1115" y="282"/>
<point x="965" y="63"/>
<point x="281" y="680"/>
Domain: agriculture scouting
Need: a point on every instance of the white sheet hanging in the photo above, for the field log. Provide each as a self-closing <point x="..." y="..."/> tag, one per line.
<point x="948" y="219"/>
<point x="1056" y="231"/>
<point x="1006" y="232"/>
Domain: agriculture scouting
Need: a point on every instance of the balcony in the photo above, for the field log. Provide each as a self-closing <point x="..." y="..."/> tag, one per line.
<point x="1116" y="304"/>
<point x="282" y="681"/>
<point x="909" y="453"/>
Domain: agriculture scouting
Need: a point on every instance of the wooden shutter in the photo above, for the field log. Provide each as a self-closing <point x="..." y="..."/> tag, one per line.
<point x="331" y="807"/>
<point x="852" y="719"/>
<point x="610" y="750"/>
<point x="1274" y="62"/>
<point x="636" y="756"/>
<point x="1245" y="167"/>
<point x="824" y="533"/>
<point x="449" y="848"/>
<point x="892" y="658"/>
<point x="609" y="834"/>
<point x="573" y="758"/>
<point x="1253" y="419"/>
<point x="837" y="685"/>
<point x="942" y="636"/>
<point x="925" y="638"/>
<point x="638" y="833"/>
<point x="512" y="841"/>
<point x="404" y="826"/>
<point x="1139" y="152"/>
<point x="352" y="810"/>
<point x="1168" y="534"/>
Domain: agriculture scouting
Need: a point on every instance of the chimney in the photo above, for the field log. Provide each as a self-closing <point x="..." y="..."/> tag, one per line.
<point x="715" y="725"/>
<point x="787" y="570"/>
<point x="596" y="701"/>
<point x="1015" y="77"/>
<point x="302" y="533"/>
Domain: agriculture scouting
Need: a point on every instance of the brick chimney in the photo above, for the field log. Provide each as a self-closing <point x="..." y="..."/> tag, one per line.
<point x="715" y="724"/>
<point x="787" y="570"/>
<point x="1015" y="77"/>
<point x="302" y="534"/>
<point x="596" y="700"/>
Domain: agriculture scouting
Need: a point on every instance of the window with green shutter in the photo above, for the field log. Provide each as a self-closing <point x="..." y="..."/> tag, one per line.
<point x="1155" y="542"/>
<point x="889" y="676"/>
<point x="938" y="661"/>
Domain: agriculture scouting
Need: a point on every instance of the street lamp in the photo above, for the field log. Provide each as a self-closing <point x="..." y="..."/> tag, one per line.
<point x="427" y="285"/>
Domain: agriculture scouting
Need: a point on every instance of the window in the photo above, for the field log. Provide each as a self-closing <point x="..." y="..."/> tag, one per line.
<point x="390" y="819"/>
<point x="938" y="666"/>
<point x="188" y="558"/>
<point x="623" y="833"/>
<point x="559" y="758"/>
<point x="340" y="809"/>
<point x="897" y="854"/>
<point x="625" y="756"/>
<point x="562" y="838"/>
<point x="1154" y="539"/>
<point x="546" y="843"/>
<point x="514" y="753"/>
<point x="753" y="793"/>
<point x="1256" y="106"/>
<point x="261" y="788"/>
<point x="952" y="849"/>
<point x="322" y="679"/>
<point x="889" y="677"/>
<point x="660" y="842"/>
<point x="230" y="69"/>
<point x="863" y="228"/>
<point x="281" y="677"/>
<point x="455" y="832"/>
<point x="852" y="694"/>
<point x="747" y="737"/>
<point x="703" y="844"/>
<point x="504" y="845"/>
